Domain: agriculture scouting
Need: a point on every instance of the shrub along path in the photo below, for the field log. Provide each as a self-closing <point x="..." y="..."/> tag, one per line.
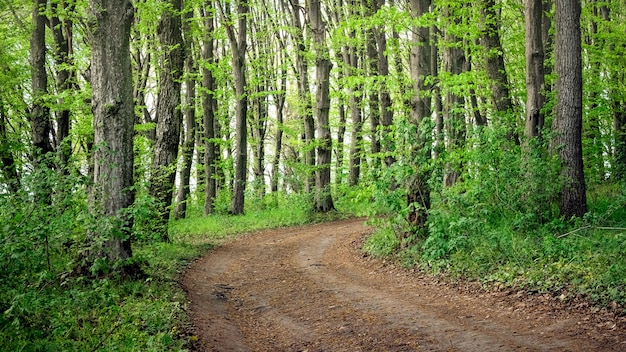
<point x="312" y="289"/>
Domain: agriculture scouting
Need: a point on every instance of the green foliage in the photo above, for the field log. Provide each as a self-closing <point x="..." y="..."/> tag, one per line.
<point x="46" y="307"/>
<point x="500" y="225"/>
<point x="382" y="243"/>
<point x="272" y="211"/>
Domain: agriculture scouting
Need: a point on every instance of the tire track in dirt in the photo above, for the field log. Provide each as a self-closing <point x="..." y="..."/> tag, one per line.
<point x="310" y="289"/>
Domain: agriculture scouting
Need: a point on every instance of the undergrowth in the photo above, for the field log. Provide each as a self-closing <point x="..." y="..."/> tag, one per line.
<point x="498" y="228"/>
<point x="46" y="308"/>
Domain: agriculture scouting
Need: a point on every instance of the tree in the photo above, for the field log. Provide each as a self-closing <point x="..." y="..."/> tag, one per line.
<point x="323" y="196"/>
<point x="418" y="191"/>
<point x="535" y="76"/>
<point x="168" y="114"/>
<point x="238" y="45"/>
<point x="454" y="114"/>
<point x="355" y="88"/>
<point x="305" y="109"/>
<point x="114" y="117"/>
<point x="567" y="123"/>
<point x="39" y="112"/>
<point x="63" y="38"/>
<point x="190" y="119"/>
<point x="375" y="92"/>
<point x="209" y="104"/>
<point x="386" y="112"/>
<point x="494" y="64"/>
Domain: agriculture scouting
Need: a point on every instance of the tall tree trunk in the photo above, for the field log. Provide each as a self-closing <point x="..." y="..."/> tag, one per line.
<point x="263" y="72"/>
<point x="341" y="129"/>
<point x="168" y="115"/>
<point x="490" y="37"/>
<point x="418" y="191"/>
<point x="114" y="117"/>
<point x="567" y="124"/>
<point x="62" y="33"/>
<point x="386" y="111"/>
<point x="39" y="112"/>
<point x="305" y="104"/>
<point x="439" y="143"/>
<point x="535" y="80"/>
<point x="190" y="122"/>
<point x="259" y="130"/>
<point x="371" y="7"/>
<point x="208" y="109"/>
<point x="323" y="196"/>
<point x="351" y="59"/>
<point x="238" y="42"/>
<point x="280" y="107"/>
<point x="619" y="130"/>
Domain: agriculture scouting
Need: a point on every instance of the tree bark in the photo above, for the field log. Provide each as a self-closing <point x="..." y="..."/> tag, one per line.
<point x="500" y="95"/>
<point x="238" y="42"/>
<point x="567" y="124"/>
<point x="190" y="122"/>
<point x="418" y="191"/>
<point x="62" y="33"/>
<point x="280" y="97"/>
<point x="39" y="112"/>
<point x="371" y="7"/>
<point x="351" y="60"/>
<point x="341" y="129"/>
<point x="168" y="115"/>
<point x="208" y="111"/>
<point x="305" y="109"/>
<point x="535" y="75"/>
<point x="386" y="110"/>
<point x="114" y="117"/>
<point x="323" y="196"/>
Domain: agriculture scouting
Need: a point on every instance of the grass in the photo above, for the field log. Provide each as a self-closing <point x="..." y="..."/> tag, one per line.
<point x="44" y="309"/>
<point x="578" y="258"/>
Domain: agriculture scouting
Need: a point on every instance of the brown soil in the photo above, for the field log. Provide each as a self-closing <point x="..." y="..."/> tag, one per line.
<point x="312" y="289"/>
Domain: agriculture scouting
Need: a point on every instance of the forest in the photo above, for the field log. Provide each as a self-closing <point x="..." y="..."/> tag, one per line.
<point x="483" y="140"/>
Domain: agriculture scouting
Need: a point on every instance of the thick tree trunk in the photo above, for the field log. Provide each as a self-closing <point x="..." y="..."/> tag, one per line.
<point x="39" y="113"/>
<point x="535" y="75"/>
<point x="168" y="115"/>
<point x="114" y="117"/>
<point x="323" y="196"/>
<point x="567" y="124"/>
<point x="418" y="191"/>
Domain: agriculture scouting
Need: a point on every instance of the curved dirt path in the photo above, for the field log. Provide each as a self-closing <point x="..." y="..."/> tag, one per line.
<point x="311" y="289"/>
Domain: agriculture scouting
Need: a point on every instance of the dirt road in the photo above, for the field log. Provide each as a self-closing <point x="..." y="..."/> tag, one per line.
<point x="311" y="289"/>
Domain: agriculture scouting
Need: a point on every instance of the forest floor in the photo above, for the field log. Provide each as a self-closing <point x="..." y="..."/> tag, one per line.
<point x="311" y="288"/>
